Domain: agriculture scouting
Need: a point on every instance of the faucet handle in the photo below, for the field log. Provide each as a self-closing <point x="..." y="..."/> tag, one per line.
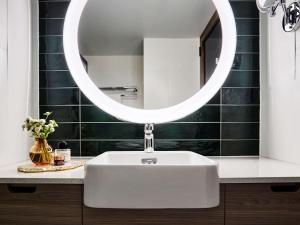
<point x="149" y="127"/>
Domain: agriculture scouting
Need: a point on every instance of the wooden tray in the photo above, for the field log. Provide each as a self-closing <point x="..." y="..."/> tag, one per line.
<point x="31" y="168"/>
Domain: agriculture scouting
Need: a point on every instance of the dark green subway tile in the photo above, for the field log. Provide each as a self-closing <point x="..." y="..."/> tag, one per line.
<point x="73" y="145"/>
<point x="208" y="148"/>
<point x="247" y="44"/>
<point x="240" y="131"/>
<point x="216" y="99"/>
<point x="56" y="79"/>
<point x="53" y="9"/>
<point x="127" y="145"/>
<point x="85" y="100"/>
<point x="243" y="79"/>
<point x="246" y="62"/>
<point x="94" y="114"/>
<point x="188" y="131"/>
<point x="119" y="134"/>
<point x="62" y="113"/>
<point x="59" y="96"/>
<point x="205" y="114"/>
<point x="52" y="62"/>
<point x="247" y="26"/>
<point x="51" y="44"/>
<point x="244" y="9"/>
<point x="65" y="132"/>
<point x="136" y="131"/>
<point x="240" y="96"/>
<point x="240" y="113"/>
<point x="93" y="148"/>
<point x="240" y="148"/>
<point x="51" y="26"/>
<point x="112" y="131"/>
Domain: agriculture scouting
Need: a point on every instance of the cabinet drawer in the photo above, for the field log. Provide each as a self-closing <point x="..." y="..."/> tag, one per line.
<point x="262" y="204"/>
<point x="213" y="216"/>
<point x="40" y="204"/>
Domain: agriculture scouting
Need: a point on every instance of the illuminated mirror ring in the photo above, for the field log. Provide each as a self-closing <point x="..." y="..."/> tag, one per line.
<point x="157" y="116"/>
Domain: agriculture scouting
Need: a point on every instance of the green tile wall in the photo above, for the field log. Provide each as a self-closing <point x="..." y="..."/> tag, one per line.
<point x="227" y="125"/>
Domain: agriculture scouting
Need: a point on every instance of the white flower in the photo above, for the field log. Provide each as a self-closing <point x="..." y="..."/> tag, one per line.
<point x="34" y="121"/>
<point x="37" y="129"/>
<point x="53" y="123"/>
<point x="42" y="121"/>
<point x="40" y="128"/>
<point x="47" y="113"/>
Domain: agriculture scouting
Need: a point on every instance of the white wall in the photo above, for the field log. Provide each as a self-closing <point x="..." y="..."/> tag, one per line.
<point x="33" y="108"/>
<point x="280" y="91"/>
<point x="116" y="71"/>
<point x="15" y="74"/>
<point x="3" y="77"/>
<point x="171" y="71"/>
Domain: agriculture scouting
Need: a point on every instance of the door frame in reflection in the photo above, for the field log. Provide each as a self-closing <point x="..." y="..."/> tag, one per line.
<point x="213" y="22"/>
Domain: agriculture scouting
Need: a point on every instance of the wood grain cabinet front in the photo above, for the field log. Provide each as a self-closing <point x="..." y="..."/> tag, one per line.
<point x="213" y="216"/>
<point x="240" y="204"/>
<point x="262" y="204"/>
<point x="25" y="204"/>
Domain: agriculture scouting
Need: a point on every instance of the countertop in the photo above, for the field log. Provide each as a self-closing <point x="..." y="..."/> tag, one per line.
<point x="231" y="170"/>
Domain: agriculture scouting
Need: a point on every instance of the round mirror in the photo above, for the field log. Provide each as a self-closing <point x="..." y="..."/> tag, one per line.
<point x="149" y="61"/>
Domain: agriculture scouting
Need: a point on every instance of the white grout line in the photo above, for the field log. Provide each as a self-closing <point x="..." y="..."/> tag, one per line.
<point x="225" y="87"/>
<point x="61" y="35"/>
<point x="232" y="70"/>
<point x="62" y="53"/>
<point x="52" y="18"/>
<point x="91" y="105"/>
<point x="120" y="122"/>
<point x="120" y="140"/>
<point x="221" y="118"/>
<point x="54" y="70"/>
<point x="246" y="18"/>
<point x="79" y="106"/>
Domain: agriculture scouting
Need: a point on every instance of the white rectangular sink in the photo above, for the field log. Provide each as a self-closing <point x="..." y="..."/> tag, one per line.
<point x="178" y="179"/>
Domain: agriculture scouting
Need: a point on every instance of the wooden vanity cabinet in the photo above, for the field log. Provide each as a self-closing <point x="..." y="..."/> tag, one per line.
<point x="240" y="204"/>
<point x="25" y="204"/>
<point x="213" y="216"/>
<point x="262" y="204"/>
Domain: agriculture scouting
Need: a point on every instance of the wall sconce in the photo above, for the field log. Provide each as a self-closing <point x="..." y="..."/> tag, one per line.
<point x="291" y="16"/>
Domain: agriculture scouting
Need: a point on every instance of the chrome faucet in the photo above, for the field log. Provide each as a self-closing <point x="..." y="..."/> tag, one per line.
<point x="149" y="138"/>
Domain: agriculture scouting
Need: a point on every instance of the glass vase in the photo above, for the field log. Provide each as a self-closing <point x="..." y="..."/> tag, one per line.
<point x="41" y="152"/>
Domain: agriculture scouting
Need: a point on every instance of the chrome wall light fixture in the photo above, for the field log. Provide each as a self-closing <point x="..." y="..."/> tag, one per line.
<point x="291" y="12"/>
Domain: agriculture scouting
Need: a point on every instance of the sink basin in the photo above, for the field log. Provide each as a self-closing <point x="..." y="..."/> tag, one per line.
<point x="156" y="180"/>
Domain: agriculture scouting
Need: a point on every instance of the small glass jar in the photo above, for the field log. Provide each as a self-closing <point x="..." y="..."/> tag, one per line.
<point x="65" y="152"/>
<point x="59" y="159"/>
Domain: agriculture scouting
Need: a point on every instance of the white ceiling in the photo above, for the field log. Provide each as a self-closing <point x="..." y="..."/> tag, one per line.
<point x="117" y="27"/>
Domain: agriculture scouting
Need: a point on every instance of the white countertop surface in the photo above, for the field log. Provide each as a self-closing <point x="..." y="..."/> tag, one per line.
<point x="256" y="170"/>
<point x="9" y="174"/>
<point x="231" y="170"/>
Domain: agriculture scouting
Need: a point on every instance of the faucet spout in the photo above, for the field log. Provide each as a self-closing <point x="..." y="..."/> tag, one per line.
<point x="149" y="138"/>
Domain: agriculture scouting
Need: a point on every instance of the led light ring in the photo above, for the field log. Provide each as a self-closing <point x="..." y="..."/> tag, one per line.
<point x="157" y="116"/>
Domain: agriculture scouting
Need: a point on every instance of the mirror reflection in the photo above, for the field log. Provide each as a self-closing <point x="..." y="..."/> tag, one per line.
<point x="150" y="54"/>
